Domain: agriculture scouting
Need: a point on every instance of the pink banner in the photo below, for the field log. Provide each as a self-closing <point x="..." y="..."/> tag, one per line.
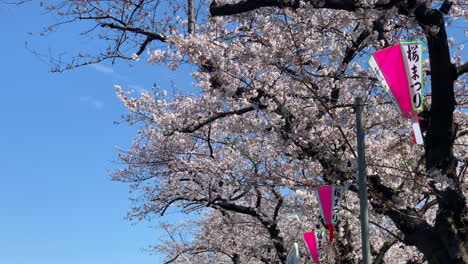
<point x="324" y="195"/>
<point x="390" y="61"/>
<point x="329" y="198"/>
<point x="400" y="71"/>
<point x="314" y="241"/>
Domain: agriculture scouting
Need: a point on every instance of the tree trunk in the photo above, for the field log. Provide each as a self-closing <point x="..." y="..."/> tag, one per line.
<point x="236" y="259"/>
<point x="450" y="229"/>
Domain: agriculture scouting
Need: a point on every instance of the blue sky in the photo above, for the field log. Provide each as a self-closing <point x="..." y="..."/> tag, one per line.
<point x="57" y="147"/>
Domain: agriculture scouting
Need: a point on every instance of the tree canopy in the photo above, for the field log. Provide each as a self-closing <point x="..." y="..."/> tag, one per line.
<point x="272" y="118"/>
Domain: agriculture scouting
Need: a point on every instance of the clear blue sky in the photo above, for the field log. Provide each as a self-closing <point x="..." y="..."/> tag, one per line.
<point x="57" y="147"/>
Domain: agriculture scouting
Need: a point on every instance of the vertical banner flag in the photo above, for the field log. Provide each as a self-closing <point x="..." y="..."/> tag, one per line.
<point x="400" y="71"/>
<point x="314" y="241"/>
<point x="293" y="256"/>
<point x="329" y="198"/>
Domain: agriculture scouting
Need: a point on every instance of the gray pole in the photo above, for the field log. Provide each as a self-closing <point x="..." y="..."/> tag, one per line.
<point x="364" y="217"/>
<point x="191" y="16"/>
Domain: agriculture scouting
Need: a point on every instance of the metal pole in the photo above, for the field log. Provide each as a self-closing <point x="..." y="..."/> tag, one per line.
<point x="364" y="217"/>
<point x="191" y="16"/>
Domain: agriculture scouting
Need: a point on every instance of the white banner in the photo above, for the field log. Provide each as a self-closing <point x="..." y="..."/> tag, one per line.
<point x="337" y="196"/>
<point x="412" y="56"/>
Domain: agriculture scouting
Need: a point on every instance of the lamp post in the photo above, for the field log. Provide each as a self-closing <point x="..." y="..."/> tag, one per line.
<point x="191" y="16"/>
<point x="363" y="207"/>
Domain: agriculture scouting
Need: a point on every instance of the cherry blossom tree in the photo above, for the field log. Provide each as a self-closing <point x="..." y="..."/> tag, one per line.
<point x="272" y="118"/>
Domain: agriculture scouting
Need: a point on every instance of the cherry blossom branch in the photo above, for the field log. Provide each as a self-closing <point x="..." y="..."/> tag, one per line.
<point x="193" y="128"/>
<point x="398" y="238"/>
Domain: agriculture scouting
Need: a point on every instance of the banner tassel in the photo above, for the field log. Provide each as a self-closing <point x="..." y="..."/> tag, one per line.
<point x="331" y="232"/>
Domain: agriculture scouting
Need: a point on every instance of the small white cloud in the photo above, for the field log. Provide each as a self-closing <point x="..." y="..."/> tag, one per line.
<point x="93" y="102"/>
<point x="102" y="68"/>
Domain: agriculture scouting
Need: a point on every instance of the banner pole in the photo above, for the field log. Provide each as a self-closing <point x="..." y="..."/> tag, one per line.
<point x="363" y="207"/>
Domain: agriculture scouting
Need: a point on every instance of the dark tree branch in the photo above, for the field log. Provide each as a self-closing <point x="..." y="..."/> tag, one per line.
<point x="208" y="140"/>
<point x="279" y="203"/>
<point x="168" y="204"/>
<point x="462" y="69"/>
<point x="379" y="259"/>
<point x="357" y="46"/>
<point x="138" y="6"/>
<point x="152" y="35"/>
<point x="237" y="208"/>
<point x="428" y="206"/>
<point x="258" y="202"/>
<point x="195" y="127"/>
<point x="144" y="45"/>
<point x="237" y="197"/>
<point x="250" y="5"/>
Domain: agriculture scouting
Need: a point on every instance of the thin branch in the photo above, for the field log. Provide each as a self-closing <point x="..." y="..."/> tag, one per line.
<point x="152" y="35"/>
<point x="427" y="206"/>
<point x="144" y="45"/>
<point x="209" y="142"/>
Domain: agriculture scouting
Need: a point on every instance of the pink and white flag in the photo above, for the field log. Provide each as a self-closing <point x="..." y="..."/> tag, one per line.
<point x="314" y="241"/>
<point x="329" y="198"/>
<point x="400" y="71"/>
